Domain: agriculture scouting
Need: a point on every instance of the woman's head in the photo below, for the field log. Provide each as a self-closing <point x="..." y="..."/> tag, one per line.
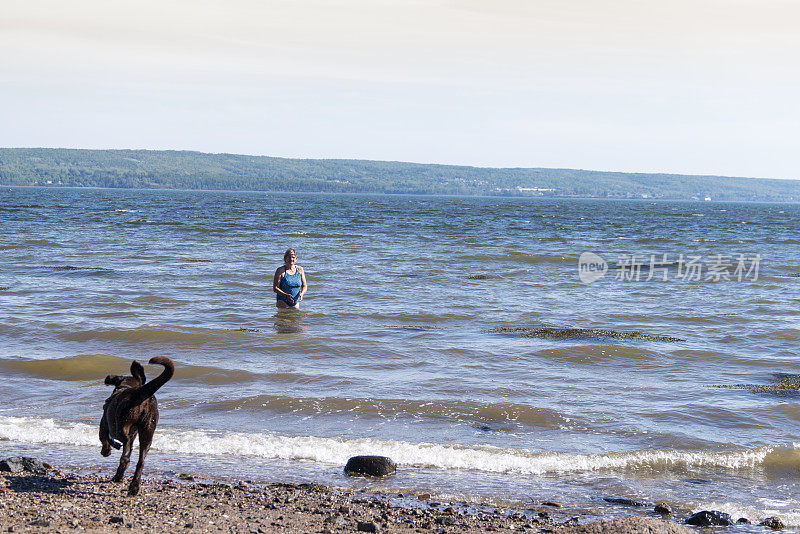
<point x="289" y="254"/>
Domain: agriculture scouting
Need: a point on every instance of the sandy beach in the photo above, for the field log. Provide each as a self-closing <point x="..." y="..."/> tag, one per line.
<point x="59" y="501"/>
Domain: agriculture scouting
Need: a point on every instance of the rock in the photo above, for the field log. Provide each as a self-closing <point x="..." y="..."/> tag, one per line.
<point x="40" y="523"/>
<point x="116" y="519"/>
<point x="708" y="518"/>
<point x="626" y="525"/>
<point x="336" y="520"/>
<point x="371" y="466"/>
<point x="662" y="508"/>
<point x="446" y="521"/>
<point x="623" y="501"/>
<point x="743" y="521"/>
<point x="18" y="464"/>
<point x="551" y="503"/>
<point x="774" y="523"/>
<point x="366" y="526"/>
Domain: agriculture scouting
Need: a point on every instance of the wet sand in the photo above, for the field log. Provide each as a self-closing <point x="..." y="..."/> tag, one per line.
<point x="65" y="502"/>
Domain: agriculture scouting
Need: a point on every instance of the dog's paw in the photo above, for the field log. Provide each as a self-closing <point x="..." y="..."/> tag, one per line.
<point x="133" y="489"/>
<point x="106" y="450"/>
<point x="117" y="478"/>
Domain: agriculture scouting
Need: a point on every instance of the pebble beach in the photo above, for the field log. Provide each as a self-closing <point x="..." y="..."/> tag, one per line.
<point x="60" y="501"/>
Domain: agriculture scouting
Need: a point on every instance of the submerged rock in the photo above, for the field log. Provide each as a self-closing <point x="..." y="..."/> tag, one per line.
<point x="572" y="333"/>
<point x="662" y="508"/>
<point x="370" y="466"/>
<point x="17" y="464"/>
<point x="711" y="518"/>
<point x="774" y="523"/>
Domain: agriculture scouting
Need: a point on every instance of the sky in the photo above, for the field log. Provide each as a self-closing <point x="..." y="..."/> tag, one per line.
<point x="684" y="86"/>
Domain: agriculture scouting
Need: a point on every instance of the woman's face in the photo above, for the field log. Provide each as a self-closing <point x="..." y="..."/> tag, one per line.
<point x="290" y="259"/>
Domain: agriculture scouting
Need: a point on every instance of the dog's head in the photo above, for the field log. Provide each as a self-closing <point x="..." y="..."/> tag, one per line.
<point x="124" y="382"/>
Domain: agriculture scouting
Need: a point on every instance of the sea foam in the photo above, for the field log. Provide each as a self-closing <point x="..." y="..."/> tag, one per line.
<point x="420" y="455"/>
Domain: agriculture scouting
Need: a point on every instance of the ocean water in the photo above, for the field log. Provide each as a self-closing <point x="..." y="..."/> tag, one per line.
<point x="408" y="342"/>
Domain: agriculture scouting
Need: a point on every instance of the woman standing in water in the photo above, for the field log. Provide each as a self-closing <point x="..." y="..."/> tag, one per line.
<point x="290" y="282"/>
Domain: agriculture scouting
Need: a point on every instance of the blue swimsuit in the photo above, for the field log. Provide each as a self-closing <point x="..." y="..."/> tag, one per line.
<point x="292" y="284"/>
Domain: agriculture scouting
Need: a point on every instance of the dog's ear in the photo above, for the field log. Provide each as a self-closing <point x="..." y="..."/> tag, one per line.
<point x="138" y="372"/>
<point x="114" y="380"/>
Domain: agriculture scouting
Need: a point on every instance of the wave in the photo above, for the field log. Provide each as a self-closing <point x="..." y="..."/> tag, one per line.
<point x="87" y="270"/>
<point x="317" y="235"/>
<point x="336" y="451"/>
<point x="165" y="334"/>
<point x="483" y="414"/>
<point x="522" y="257"/>
<point x="94" y="367"/>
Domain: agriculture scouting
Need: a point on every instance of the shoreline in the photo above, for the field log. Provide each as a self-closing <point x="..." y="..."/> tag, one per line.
<point x="63" y="501"/>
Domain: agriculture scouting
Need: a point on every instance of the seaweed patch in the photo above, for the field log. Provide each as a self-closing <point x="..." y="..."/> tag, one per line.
<point x="578" y="333"/>
<point x="787" y="384"/>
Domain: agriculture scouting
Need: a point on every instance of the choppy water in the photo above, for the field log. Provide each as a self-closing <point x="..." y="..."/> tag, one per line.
<point x="394" y="351"/>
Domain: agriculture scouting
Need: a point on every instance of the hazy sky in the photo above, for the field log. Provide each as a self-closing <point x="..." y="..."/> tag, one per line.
<point x="695" y="86"/>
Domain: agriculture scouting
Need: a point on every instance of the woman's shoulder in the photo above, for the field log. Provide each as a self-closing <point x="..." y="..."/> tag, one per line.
<point x="280" y="270"/>
<point x="300" y="269"/>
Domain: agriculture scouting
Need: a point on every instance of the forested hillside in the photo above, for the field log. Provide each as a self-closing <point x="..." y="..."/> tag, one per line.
<point x="195" y="170"/>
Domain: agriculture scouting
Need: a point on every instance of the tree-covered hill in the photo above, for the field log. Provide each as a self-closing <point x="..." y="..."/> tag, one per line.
<point x="158" y="169"/>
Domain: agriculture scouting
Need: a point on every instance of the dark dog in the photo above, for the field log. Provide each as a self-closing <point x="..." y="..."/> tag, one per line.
<point x="132" y="409"/>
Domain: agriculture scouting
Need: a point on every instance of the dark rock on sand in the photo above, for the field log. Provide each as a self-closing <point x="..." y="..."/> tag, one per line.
<point x="743" y="521"/>
<point x="626" y="525"/>
<point x="774" y="523"/>
<point x="623" y="501"/>
<point x="711" y="518"/>
<point x="662" y="508"/>
<point x="370" y="466"/>
<point x="18" y="464"/>
<point x="366" y="526"/>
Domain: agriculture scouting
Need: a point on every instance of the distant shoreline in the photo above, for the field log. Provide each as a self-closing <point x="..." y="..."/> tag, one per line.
<point x="185" y="170"/>
<point x="416" y="195"/>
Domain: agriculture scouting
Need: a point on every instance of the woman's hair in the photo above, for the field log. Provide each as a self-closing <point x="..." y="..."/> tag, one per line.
<point x="289" y="252"/>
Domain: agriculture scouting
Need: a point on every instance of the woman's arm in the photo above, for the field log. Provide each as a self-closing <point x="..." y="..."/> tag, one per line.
<point x="304" y="287"/>
<point x="276" y="284"/>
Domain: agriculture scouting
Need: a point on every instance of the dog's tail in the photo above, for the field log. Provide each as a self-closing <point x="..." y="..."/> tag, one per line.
<point x="150" y="388"/>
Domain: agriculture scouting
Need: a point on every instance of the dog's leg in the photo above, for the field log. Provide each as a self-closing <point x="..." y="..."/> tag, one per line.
<point x="145" y="438"/>
<point x="106" y="448"/>
<point x="125" y="458"/>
